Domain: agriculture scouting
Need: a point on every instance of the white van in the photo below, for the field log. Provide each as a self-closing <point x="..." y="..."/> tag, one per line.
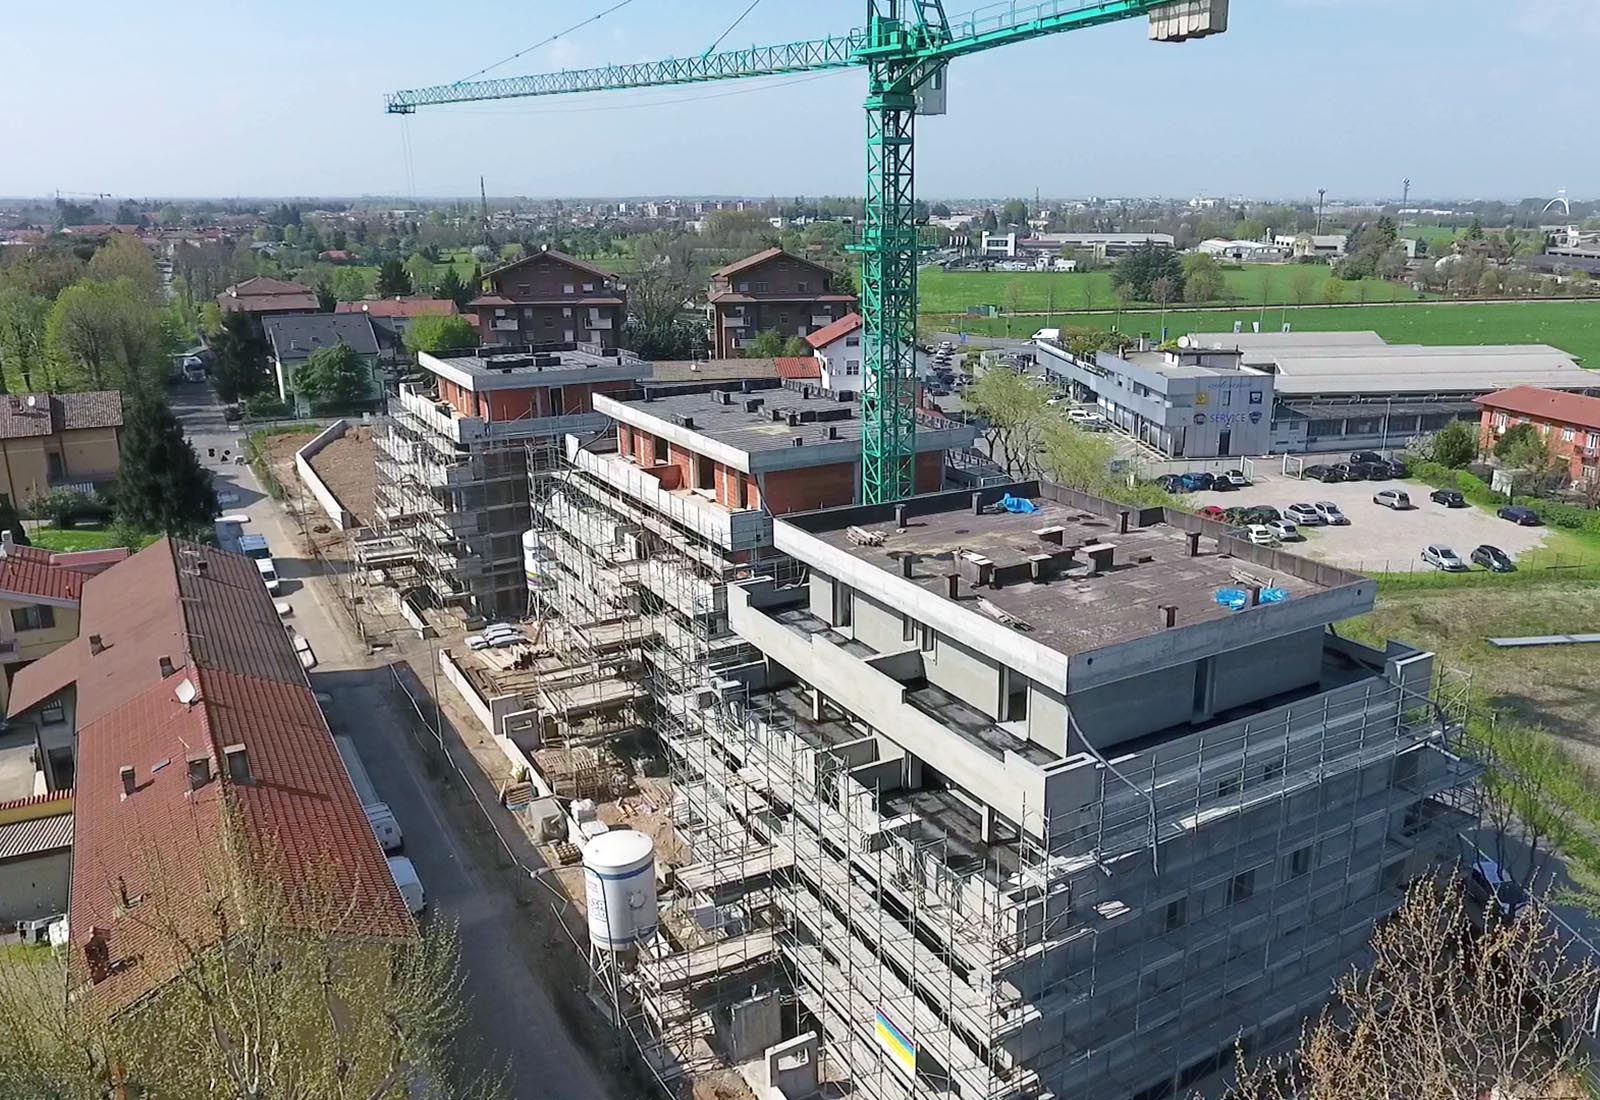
<point x="269" y="575"/>
<point x="405" y="877"/>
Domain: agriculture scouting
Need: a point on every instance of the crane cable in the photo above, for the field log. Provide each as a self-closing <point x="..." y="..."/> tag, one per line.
<point x="545" y="42"/>
<point x="731" y="26"/>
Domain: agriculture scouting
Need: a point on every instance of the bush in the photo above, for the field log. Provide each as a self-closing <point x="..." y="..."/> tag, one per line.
<point x="266" y="406"/>
<point x="64" y="507"/>
<point x="1552" y="512"/>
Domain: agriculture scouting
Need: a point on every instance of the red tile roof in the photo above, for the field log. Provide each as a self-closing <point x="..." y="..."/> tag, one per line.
<point x="842" y="327"/>
<point x="1542" y="404"/>
<point x="40" y="414"/>
<point x="490" y="300"/>
<point x="401" y="307"/>
<point x="262" y="294"/>
<point x="299" y="818"/>
<point x="558" y="257"/>
<point x="31" y="573"/>
<point x="798" y="367"/>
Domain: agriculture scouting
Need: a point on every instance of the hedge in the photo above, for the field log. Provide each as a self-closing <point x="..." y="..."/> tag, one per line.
<point x="1552" y="512"/>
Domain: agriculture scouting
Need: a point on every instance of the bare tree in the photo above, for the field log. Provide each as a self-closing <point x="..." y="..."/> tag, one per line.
<point x="1450" y="1009"/>
<point x="1301" y="284"/>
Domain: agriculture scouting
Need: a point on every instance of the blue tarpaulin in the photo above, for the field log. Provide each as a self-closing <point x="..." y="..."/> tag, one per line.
<point x="1021" y="505"/>
<point x="1235" y="599"/>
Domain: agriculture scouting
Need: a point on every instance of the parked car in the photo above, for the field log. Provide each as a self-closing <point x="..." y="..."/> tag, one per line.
<point x="1398" y="468"/>
<point x="1492" y="887"/>
<point x="1284" y="530"/>
<point x="1450" y="498"/>
<point x="1329" y="511"/>
<point x="1235" y="478"/>
<point x="1373" y="471"/>
<point x="1398" y="499"/>
<point x="1325" y="474"/>
<point x="1265" y="513"/>
<point x="1494" y="559"/>
<point x="1442" y="557"/>
<point x="1304" y="513"/>
<point x="1522" y="517"/>
<point x="1196" y="481"/>
<point x="1170" y="483"/>
<point x="1349" y="471"/>
<point x="1211" y="511"/>
<point x="1366" y="456"/>
<point x="1260" y="534"/>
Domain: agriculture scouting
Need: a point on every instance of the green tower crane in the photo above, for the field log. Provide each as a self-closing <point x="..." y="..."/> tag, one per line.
<point x="905" y="46"/>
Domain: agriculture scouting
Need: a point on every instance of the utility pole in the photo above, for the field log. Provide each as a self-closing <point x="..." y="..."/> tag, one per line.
<point x="483" y="198"/>
<point x="1405" y="200"/>
<point x="1322" y="193"/>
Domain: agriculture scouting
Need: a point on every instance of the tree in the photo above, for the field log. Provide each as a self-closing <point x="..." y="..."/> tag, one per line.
<point x="452" y="287"/>
<point x="770" y="344"/>
<point x="440" y="333"/>
<point x="1475" y="230"/>
<point x="1015" y="409"/>
<point x="82" y="331"/>
<point x="1014" y="212"/>
<point x="990" y="223"/>
<point x="394" y="281"/>
<point x="1202" y="278"/>
<point x="1392" y="264"/>
<point x="126" y="257"/>
<point x="1521" y="446"/>
<point x="421" y="272"/>
<point x="1444" y="1012"/>
<point x="240" y="369"/>
<point x="162" y="487"/>
<point x="1454" y="445"/>
<point x="352" y="284"/>
<point x="1161" y="293"/>
<point x="939" y="210"/>
<point x="1124" y="293"/>
<point x="23" y="321"/>
<point x="334" y="376"/>
<point x="1333" y="291"/>
<point x="12" y="522"/>
<point x="1301" y="284"/>
<point x="1140" y="269"/>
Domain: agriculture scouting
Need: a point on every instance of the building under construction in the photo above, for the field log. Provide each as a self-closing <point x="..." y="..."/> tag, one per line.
<point x="1010" y="793"/>
<point x="454" y="461"/>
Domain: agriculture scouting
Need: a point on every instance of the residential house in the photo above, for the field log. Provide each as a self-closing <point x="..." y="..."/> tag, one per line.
<point x="391" y="317"/>
<point x="50" y="441"/>
<point x="772" y="290"/>
<point x="35" y="856"/>
<point x="550" y="298"/>
<point x="295" y="339"/>
<point x="197" y="740"/>
<point x="261" y="297"/>
<point x="1569" y="423"/>
<point x="839" y="350"/>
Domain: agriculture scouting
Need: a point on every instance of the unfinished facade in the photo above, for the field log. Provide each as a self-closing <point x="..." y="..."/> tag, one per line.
<point x="453" y="460"/>
<point x="994" y="802"/>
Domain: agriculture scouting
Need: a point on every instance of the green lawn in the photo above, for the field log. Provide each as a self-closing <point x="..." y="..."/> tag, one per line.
<point x="79" y="538"/>
<point x="1572" y="326"/>
<point x="1022" y="291"/>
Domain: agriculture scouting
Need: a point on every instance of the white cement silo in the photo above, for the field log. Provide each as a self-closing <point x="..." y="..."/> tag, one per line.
<point x="619" y="873"/>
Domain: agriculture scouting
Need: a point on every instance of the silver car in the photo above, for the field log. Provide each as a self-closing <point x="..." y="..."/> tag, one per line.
<point x="1329" y="511"/>
<point x="1304" y="513"/>
<point x="1442" y="557"/>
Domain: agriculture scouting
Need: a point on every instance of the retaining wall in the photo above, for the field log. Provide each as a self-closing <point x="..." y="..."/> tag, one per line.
<point x="341" y="516"/>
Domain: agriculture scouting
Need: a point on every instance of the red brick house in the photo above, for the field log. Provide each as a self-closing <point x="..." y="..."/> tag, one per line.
<point x="771" y="290"/>
<point x="1569" y="422"/>
<point x="550" y="298"/>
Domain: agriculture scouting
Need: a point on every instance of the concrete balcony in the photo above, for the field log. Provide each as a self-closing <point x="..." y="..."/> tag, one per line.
<point x="734" y="320"/>
<point x="822" y="320"/>
<point x="734" y="529"/>
<point x="598" y="323"/>
<point x="443" y="420"/>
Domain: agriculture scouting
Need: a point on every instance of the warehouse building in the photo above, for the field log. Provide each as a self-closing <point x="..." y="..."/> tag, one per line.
<point x="1218" y="395"/>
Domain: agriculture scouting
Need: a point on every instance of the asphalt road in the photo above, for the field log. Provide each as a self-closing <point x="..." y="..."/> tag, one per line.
<point x="512" y="1018"/>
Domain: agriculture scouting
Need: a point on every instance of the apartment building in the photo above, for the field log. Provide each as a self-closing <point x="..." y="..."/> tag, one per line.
<point x="455" y="454"/>
<point x="263" y="297"/>
<point x="550" y="298"/>
<point x="58" y="440"/>
<point x="775" y="291"/>
<point x="1569" y="423"/>
<point x="1017" y="792"/>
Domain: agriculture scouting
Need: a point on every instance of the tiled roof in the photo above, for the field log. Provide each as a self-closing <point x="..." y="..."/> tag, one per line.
<point x="297" y="336"/>
<point x="262" y="293"/>
<point x="748" y="262"/>
<point x="1553" y="405"/>
<point x="734" y="296"/>
<point x="798" y="367"/>
<point x="206" y="611"/>
<point x="27" y="576"/>
<point x="558" y="257"/>
<point x="401" y="307"/>
<point x="842" y="327"/>
<point x="490" y="300"/>
<point x="39" y="414"/>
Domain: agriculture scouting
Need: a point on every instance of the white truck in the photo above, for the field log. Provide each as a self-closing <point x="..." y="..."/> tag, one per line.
<point x="379" y="816"/>
<point x="256" y="548"/>
<point x="410" y="886"/>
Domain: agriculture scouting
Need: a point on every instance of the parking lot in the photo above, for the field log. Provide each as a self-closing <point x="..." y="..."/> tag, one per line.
<point x="1379" y="539"/>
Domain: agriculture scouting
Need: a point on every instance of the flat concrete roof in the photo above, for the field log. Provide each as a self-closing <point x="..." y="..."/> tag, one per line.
<point x="1073" y="610"/>
<point x="518" y="368"/>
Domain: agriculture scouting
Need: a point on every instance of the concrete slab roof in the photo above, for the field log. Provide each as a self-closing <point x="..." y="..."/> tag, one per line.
<point x="1073" y="608"/>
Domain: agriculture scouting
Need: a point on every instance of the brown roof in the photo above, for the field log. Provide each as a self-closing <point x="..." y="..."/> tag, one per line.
<point x="262" y="294"/>
<point x="39" y="414"/>
<point x="559" y="257"/>
<point x="672" y="371"/>
<point x="842" y="327"/>
<point x="490" y="300"/>
<point x="1552" y="405"/>
<point x="760" y="258"/>
<point x="735" y="296"/>
<point x="401" y="307"/>
<point x="34" y="574"/>
<point x="798" y="367"/>
<point x="206" y="611"/>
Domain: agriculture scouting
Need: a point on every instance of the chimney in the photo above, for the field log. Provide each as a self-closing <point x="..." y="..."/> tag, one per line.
<point x="200" y="566"/>
<point x="753" y="405"/>
<point x="688" y="421"/>
<point x="900" y="516"/>
<point x="1169" y="615"/>
<point x="1194" y="544"/>
<point x="5" y="537"/>
<point x="805" y="393"/>
<point x="952" y="585"/>
<point x="237" y="761"/>
<point x="977" y="504"/>
<point x="129" y="782"/>
<point x="833" y="432"/>
<point x="1100" y="558"/>
<point x="97" y="645"/>
<point x="1122" y="522"/>
<point x="167" y="668"/>
<point x="907" y="563"/>
<point x="794" y="419"/>
<point x="1038" y="565"/>
<point x="1255" y="595"/>
<point x="97" y="954"/>
<point x="798" y="441"/>
<point x="199" y="771"/>
<point x="1054" y="535"/>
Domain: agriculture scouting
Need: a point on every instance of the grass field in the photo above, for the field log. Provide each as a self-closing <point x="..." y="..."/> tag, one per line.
<point x="1572" y="326"/>
<point x="79" y="538"/>
<point x="954" y="291"/>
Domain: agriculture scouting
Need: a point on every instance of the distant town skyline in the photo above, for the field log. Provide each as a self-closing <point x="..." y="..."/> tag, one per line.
<point x="1350" y="95"/>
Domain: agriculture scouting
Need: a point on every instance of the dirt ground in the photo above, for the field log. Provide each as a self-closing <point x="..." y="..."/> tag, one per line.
<point x="348" y="467"/>
<point x="280" y="451"/>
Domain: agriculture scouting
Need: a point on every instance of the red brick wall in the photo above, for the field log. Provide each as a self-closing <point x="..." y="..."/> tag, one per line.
<point x="928" y="471"/>
<point x="814" y="487"/>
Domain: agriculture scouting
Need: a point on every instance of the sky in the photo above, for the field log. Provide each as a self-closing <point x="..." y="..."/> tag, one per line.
<point x="225" y="98"/>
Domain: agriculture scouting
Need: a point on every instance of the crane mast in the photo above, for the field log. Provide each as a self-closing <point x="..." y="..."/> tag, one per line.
<point x="905" y="46"/>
